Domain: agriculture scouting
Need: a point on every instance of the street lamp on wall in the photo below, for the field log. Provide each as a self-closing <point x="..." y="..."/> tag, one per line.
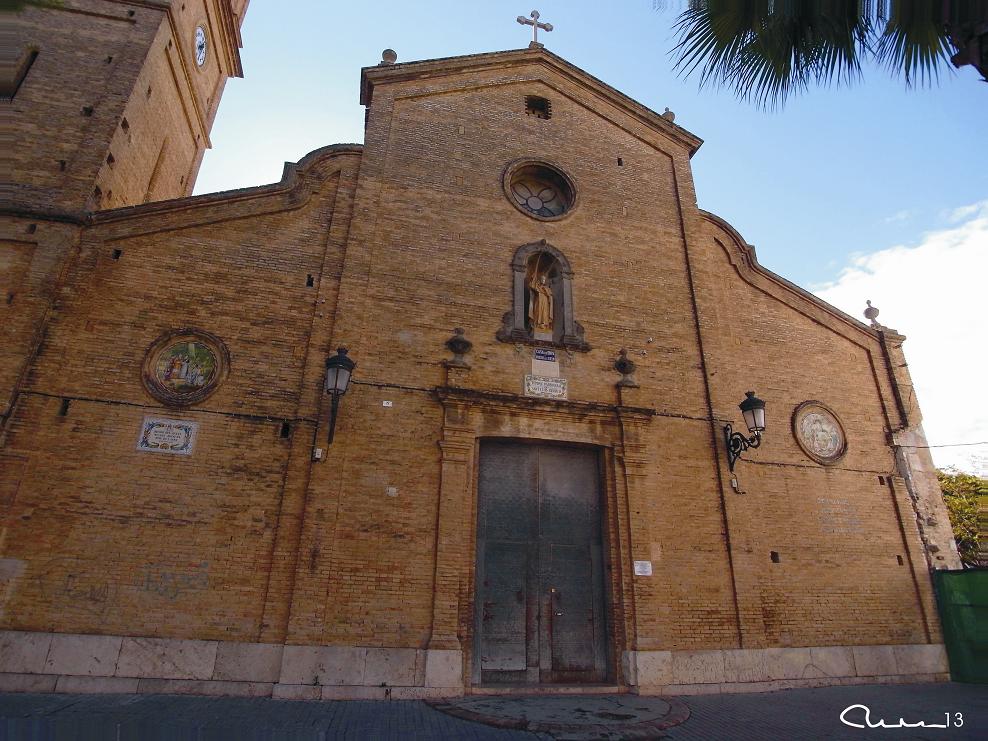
<point x="339" y="368"/>
<point x="753" y="411"/>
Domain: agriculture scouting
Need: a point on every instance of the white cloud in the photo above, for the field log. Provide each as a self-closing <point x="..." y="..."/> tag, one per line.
<point x="959" y="214"/>
<point x="897" y="216"/>
<point x="934" y="292"/>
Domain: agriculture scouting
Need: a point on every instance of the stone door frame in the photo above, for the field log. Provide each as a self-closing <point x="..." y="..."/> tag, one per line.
<point x="470" y="416"/>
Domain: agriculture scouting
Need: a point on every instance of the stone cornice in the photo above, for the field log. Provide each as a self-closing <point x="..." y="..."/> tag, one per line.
<point x="744" y="260"/>
<point x="298" y="182"/>
<point x="432" y="68"/>
<point x="514" y="402"/>
<point x="294" y="178"/>
<point x="233" y="41"/>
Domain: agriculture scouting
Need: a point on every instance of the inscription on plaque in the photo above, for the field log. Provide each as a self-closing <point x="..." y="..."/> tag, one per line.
<point x="643" y="568"/>
<point x="174" y="436"/>
<point x="544" y="363"/>
<point x="545" y="387"/>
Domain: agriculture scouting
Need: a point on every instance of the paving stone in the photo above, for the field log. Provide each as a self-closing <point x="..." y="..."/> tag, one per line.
<point x="874" y="661"/>
<point x="390" y="666"/>
<point x="790" y="714"/>
<point x="88" y="655"/>
<point x="443" y="668"/>
<point x="22" y="651"/>
<point x="74" y="685"/>
<point x="163" y="658"/>
<point x="248" y="662"/>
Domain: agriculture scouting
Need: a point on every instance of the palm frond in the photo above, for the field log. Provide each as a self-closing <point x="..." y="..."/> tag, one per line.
<point x="914" y="42"/>
<point x="767" y="50"/>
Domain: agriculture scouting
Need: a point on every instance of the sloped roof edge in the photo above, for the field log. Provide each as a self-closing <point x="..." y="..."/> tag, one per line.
<point x="291" y="175"/>
<point x="369" y="76"/>
<point x="748" y="252"/>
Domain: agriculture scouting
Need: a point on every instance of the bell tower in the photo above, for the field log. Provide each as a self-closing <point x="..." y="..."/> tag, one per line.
<point x="110" y="102"/>
<point x="106" y="103"/>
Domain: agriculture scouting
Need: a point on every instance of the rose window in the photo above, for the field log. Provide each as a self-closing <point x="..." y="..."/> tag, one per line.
<point x="540" y="191"/>
<point x="538" y="197"/>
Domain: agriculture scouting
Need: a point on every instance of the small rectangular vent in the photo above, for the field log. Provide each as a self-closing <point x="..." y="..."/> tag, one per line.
<point x="538" y="107"/>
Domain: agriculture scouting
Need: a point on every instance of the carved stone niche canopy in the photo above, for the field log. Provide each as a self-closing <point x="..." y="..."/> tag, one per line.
<point x="542" y="300"/>
<point x="184" y="366"/>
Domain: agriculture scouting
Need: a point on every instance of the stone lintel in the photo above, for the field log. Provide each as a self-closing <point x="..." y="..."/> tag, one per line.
<point x="502" y="400"/>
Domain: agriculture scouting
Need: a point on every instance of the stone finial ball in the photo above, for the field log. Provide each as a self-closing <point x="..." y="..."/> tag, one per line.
<point x="389" y="56"/>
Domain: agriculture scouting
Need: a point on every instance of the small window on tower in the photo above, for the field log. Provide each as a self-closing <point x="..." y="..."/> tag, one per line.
<point x="538" y="107"/>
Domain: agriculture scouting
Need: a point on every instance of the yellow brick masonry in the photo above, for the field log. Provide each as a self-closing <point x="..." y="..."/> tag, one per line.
<point x="249" y="543"/>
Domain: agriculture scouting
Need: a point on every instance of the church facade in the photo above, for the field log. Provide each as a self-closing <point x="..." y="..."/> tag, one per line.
<point x="529" y="476"/>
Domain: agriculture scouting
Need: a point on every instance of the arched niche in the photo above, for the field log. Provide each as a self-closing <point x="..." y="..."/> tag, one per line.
<point x="539" y="272"/>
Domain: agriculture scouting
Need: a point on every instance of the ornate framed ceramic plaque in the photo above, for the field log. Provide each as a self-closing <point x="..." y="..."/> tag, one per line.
<point x="546" y="387"/>
<point x="819" y="433"/>
<point x="185" y="366"/>
<point x="173" y="436"/>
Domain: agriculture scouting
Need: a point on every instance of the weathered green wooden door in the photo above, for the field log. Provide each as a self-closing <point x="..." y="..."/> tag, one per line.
<point x="540" y="587"/>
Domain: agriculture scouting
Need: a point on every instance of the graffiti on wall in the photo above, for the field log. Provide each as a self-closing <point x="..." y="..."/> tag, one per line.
<point x="68" y="580"/>
<point x="171" y="583"/>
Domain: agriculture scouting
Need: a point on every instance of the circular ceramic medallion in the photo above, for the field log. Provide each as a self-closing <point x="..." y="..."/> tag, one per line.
<point x="185" y="366"/>
<point x="819" y="432"/>
<point x="539" y="190"/>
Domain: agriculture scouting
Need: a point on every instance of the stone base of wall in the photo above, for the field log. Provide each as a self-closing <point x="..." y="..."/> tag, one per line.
<point x="61" y="662"/>
<point x="767" y="669"/>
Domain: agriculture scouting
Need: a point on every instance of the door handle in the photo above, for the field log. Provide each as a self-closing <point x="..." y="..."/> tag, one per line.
<point x="554" y="600"/>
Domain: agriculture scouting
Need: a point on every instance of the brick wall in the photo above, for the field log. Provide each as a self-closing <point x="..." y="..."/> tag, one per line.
<point x="127" y="542"/>
<point x="115" y="101"/>
<point x="249" y="540"/>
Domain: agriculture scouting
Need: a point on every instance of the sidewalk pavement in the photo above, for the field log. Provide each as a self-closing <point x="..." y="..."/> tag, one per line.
<point x="788" y="714"/>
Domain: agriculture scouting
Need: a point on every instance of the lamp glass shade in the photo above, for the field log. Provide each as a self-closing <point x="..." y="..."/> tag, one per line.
<point x="337" y="380"/>
<point x="753" y="410"/>
<point x="339" y="368"/>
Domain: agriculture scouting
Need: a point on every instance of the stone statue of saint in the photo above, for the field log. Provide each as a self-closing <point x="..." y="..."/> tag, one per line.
<point x="540" y="304"/>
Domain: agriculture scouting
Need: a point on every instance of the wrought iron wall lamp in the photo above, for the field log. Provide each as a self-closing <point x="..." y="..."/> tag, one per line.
<point x="339" y="369"/>
<point x="753" y="410"/>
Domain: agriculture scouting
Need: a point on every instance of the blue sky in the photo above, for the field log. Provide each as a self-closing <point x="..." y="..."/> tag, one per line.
<point x="835" y="176"/>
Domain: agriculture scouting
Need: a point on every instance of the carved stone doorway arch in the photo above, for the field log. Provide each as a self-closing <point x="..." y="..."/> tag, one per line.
<point x="471" y="416"/>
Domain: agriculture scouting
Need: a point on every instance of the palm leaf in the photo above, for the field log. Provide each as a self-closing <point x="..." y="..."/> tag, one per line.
<point x="914" y="43"/>
<point x="767" y="50"/>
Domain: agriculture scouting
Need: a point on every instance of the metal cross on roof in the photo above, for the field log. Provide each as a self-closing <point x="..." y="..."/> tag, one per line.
<point x="534" y="23"/>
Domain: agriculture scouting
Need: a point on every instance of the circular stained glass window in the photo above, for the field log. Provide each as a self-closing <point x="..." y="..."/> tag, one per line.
<point x="539" y="190"/>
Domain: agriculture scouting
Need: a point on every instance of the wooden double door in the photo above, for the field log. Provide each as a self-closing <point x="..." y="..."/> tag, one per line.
<point x="540" y="603"/>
